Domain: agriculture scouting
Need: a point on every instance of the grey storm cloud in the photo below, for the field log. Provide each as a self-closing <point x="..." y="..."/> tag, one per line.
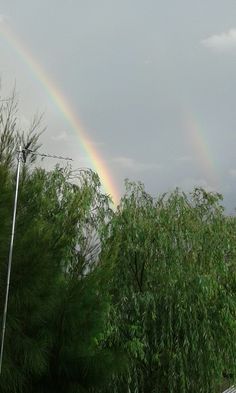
<point x="129" y="69"/>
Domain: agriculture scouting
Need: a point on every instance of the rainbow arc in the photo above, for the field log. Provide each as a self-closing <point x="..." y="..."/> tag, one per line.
<point x="60" y="101"/>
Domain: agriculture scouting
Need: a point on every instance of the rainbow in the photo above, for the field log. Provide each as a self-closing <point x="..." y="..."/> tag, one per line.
<point x="197" y="138"/>
<point x="63" y="105"/>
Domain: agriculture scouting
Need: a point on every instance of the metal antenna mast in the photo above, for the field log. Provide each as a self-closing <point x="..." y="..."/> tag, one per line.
<point x="22" y="156"/>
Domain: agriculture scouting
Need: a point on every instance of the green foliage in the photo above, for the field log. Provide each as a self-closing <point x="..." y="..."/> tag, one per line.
<point x="139" y="300"/>
<point x="55" y="313"/>
<point x="172" y="284"/>
<point x="47" y="281"/>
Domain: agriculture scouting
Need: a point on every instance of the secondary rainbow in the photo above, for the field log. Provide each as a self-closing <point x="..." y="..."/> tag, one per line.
<point x="199" y="142"/>
<point x="63" y="105"/>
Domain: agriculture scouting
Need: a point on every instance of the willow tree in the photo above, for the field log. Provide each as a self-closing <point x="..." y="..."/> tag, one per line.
<point x="172" y="287"/>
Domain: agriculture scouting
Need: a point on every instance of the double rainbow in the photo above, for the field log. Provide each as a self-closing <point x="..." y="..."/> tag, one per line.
<point x="193" y="129"/>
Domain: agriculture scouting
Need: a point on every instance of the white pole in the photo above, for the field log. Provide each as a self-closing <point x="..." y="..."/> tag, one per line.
<point x="10" y="257"/>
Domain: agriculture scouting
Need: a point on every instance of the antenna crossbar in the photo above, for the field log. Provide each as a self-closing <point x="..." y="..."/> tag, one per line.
<point x="26" y="152"/>
<point x="34" y="153"/>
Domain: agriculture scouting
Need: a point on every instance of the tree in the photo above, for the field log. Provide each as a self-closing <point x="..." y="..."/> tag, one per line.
<point x="55" y="309"/>
<point x="172" y="286"/>
<point x="55" y="312"/>
<point x="10" y="134"/>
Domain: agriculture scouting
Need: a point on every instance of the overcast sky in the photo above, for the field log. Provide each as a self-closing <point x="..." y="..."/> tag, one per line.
<point x="153" y="82"/>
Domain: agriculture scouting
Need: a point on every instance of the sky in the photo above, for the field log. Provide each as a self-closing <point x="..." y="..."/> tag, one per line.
<point x="152" y="85"/>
